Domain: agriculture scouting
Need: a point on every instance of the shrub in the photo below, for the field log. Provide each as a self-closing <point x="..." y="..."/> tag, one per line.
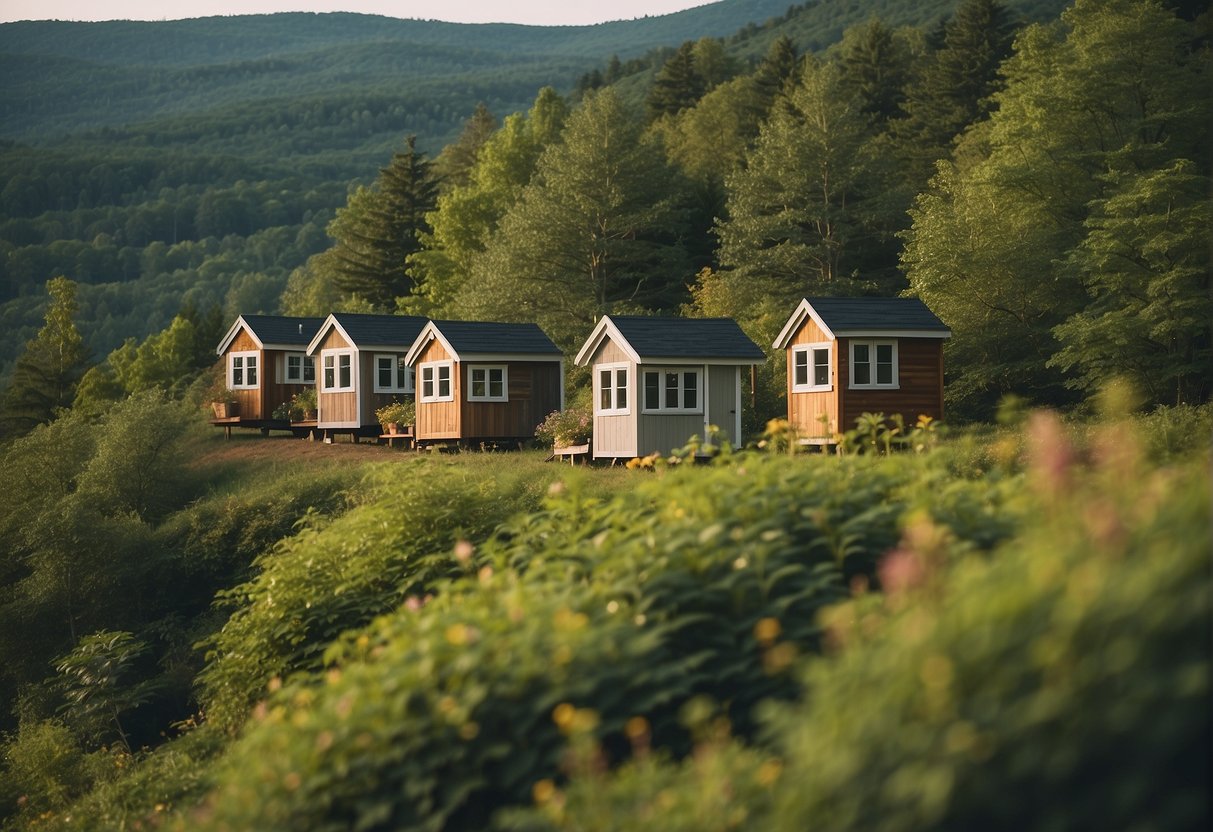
<point x="571" y="426"/>
<point x="400" y="413"/>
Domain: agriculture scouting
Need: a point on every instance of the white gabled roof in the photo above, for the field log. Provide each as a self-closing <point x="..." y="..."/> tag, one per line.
<point x="233" y="332"/>
<point x="428" y="333"/>
<point x="603" y="330"/>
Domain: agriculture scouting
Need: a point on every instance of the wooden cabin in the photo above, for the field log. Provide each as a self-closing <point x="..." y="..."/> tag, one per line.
<point x="266" y="362"/>
<point x="360" y="367"/>
<point x="849" y="356"/>
<point x="660" y="381"/>
<point x="480" y="381"/>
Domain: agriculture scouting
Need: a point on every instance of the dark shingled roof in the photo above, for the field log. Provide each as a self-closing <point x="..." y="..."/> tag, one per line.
<point x="686" y="337"/>
<point x="481" y="337"/>
<point x="278" y="329"/>
<point x="381" y="330"/>
<point x="894" y="314"/>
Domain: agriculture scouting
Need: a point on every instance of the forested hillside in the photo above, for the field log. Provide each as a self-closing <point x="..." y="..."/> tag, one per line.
<point x="199" y="162"/>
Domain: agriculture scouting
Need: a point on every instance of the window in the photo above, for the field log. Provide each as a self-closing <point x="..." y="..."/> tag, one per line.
<point x="436" y="382"/>
<point x="300" y="368"/>
<point x="672" y="391"/>
<point x="811" y="368"/>
<point x="874" y="364"/>
<point x="488" y="383"/>
<point x="393" y="374"/>
<point x="612" y="394"/>
<point x="242" y="371"/>
<point x="338" y="371"/>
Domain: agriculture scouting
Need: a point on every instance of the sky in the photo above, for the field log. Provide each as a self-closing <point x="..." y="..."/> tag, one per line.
<point x="536" y="12"/>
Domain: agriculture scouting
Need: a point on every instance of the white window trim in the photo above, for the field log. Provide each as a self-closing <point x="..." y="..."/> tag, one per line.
<point x="505" y="383"/>
<point x="807" y="349"/>
<point x="435" y="366"/>
<point x="395" y="358"/>
<point x="896" y="385"/>
<point x="671" y="411"/>
<point x="245" y="357"/>
<point x="304" y="358"/>
<point x="599" y="410"/>
<point x="325" y="355"/>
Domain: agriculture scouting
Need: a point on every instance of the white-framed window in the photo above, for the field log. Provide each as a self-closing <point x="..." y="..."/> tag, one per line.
<point x="436" y="385"/>
<point x="874" y="364"/>
<point x="300" y="368"/>
<point x="336" y="371"/>
<point x="811" y="368"/>
<point x="392" y="374"/>
<point x="488" y="383"/>
<point x="242" y="371"/>
<point x="673" y="390"/>
<point x="611" y="390"/>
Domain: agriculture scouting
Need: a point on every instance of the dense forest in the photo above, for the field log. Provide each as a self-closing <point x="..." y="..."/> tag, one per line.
<point x="199" y="163"/>
<point x="1001" y="622"/>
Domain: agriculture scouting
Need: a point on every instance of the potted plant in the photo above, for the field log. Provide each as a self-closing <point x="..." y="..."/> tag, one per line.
<point x="224" y="403"/>
<point x="396" y="415"/>
<point x="303" y="405"/>
<point x="566" y="428"/>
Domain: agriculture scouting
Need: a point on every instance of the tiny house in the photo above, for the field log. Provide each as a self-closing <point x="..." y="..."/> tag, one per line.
<point x="660" y="381"/>
<point x="484" y="381"/>
<point x="360" y="367"/>
<point x="266" y="363"/>
<point x="849" y="356"/>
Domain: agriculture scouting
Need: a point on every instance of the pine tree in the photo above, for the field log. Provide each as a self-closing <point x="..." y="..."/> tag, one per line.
<point x="46" y="374"/>
<point x="678" y="84"/>
<point x="454" y="164"/>
<point x="876" y="68"/>
<point x="598" y="229"/>
<point x="381" y="226"/>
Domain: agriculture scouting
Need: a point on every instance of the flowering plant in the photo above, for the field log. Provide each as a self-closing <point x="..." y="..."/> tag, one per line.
<point x="571" y="426"/>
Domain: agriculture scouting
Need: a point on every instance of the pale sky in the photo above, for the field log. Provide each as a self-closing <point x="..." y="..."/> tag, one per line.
<point x="538" y="12"/>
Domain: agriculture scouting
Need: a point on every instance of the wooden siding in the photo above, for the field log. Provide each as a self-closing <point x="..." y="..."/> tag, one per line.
<point x="252" y="406"/>
<point x="920" y="383"/>
<point x="335" y="409"/>
<point x="615" y="436"/>
<point x="438" y="420"/>
<point x="534" y="392"/>
<point x="805" y="410"/>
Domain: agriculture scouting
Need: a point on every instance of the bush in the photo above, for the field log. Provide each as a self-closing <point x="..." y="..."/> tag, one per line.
<point x="573" y="620"/>
<point x="1061" y="684"/>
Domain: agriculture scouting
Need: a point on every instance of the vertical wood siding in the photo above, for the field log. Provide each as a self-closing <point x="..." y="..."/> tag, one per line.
<point x="615" y="436"/>
<point x="805" y="410"/>
<point x="251" y="401"/>
<point x="335" y="409"/>
<point x="438" y="420"/>
<point x="920" y="381"/>
<point x="723" y="401"/>
<point x="534" y="392"/>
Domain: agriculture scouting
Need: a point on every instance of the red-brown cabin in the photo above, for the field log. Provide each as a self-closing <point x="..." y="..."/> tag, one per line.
<point x="482" y="381"/>
<point x="850" y="356"/>
<point x="266" y="363"/>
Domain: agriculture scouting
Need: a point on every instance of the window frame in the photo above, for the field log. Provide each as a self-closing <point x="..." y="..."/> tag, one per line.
<point x="435" y="366"/>
<point x="488" y="396"/>
<point x="873" y="384"/>
<point x="810" y="350"/>
<point x="614" y="370"/>
<point x="663" y="390"/>
<point x="397" y="360"/>
<point x="305" y="361"/>
<point x="249" y="359"/>
<point x="336" y="356"/>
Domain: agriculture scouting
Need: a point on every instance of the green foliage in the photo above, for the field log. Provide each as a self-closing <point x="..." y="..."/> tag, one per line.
<point x="331" y="577"/>
<point x="400" y="413"/>
<point x="1001" y="691"/>
<point x="96" y="677"/>
<point x="48" y="371"/>
<point x="44" y="769"/>
<point x="598" y="228"/>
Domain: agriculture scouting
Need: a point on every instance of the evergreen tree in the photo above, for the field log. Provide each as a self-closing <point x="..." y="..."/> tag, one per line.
<point x="381" y="226"/>
<point x="454" y="164"/>
<point x="467" y="215"/>
<point x="1009" y="247"/>
<point x="46" y="374"/>
<point x="795" y="220"/>
<point x="778" y="72"/>
<point x="875" y="67"/>
<point x="597" y="230"/>
<point x="678" y="84"/>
